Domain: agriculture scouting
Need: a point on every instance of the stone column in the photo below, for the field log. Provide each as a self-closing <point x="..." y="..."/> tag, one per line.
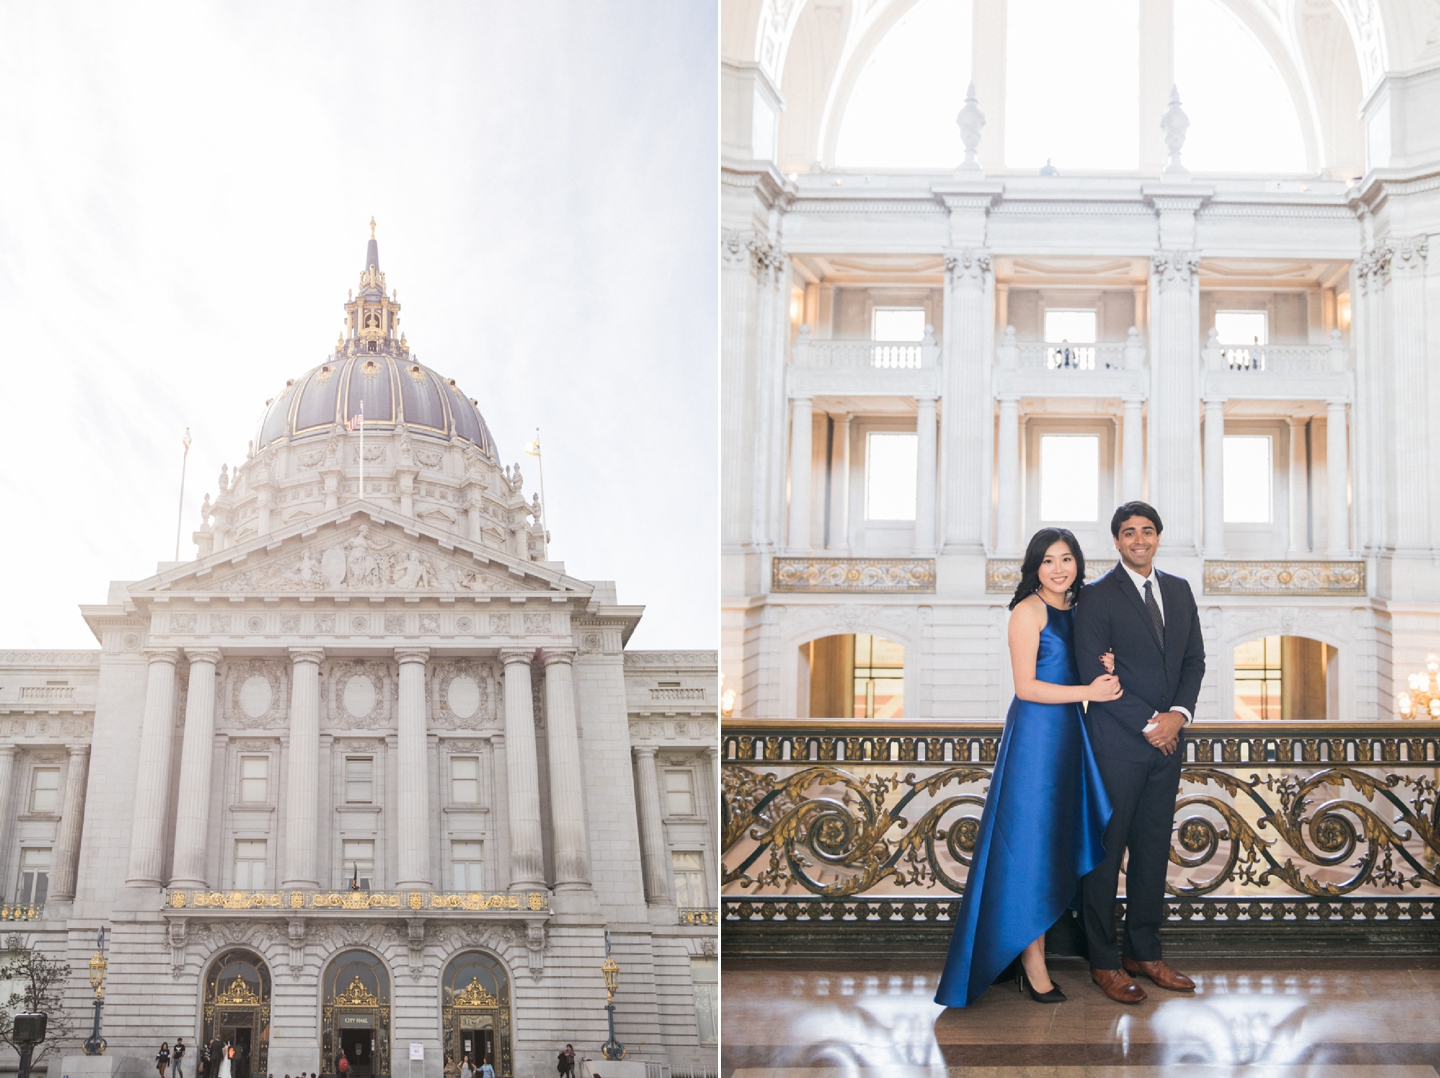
<point x="567" y="814"/>
<point x="1215" y="478"/>
<point x="1173" y="415"/>
<point x="192" y="822"/>
<point x="1299" y="488"/>
<point x="413" y="772"/>
<point x="1132" y="476"/>
<point x="966" y="493"/>
<point x="840" y="485"/>
<point x="652" y="833"/>
<point x="303" y="772"/>
<point x="527" y="863"/>
<point x="1007" y="461"/>
<point x="72" y="815"/>
<point x="925" y="476"/>
<point x="152" y="772"/>
<point x="1337" y="480"/>
<point x="801" y="424"/>
<point x="7" y="785"/>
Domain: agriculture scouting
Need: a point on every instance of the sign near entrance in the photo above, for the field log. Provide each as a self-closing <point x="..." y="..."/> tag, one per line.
<point x="355" y="1021"/>
<point x="417" y="1050"/>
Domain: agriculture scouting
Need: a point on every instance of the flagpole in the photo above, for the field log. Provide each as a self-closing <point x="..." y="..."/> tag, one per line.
<point x="180" y="514"/>
<point x="362" y="449"/>
<point x="533" y="449"/>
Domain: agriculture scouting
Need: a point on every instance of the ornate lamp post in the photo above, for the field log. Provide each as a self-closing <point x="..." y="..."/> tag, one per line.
<point x="611" y="1049"/>
<point x="95" y="1044"/>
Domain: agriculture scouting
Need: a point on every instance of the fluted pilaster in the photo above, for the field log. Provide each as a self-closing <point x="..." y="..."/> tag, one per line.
<point x="1214" y="479"/>
<point x="1299" y="500"/>
<point x="1173" y="415"/>
<point x="801" y="464"/>
<point x="413" y="774"/>
<point x="1132" y="482"/>
<point x="925" y="475"/>
<point x="72" y="815"/>
<point x="567" y="814"/>
<point x="1337" y="480"/>
<point x="7" y="785"/>
<point x="192" y="824"/>
<point x="302" y="785"/>
<point x="1007" y="463"/>
<point x="965" y="425"/>
<point x="652" y="834"/>
<point x="527" y="864"/>
<point x="152" y="772"/>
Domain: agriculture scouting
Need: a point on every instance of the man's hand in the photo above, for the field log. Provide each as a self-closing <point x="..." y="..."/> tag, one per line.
<point x="1164" y="731"/>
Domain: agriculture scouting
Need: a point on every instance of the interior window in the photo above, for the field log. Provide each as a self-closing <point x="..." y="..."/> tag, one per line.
<point x="1069" y="477"/>
<point x="34" y="876"/>
<point x="1247" y="479"/>
<point x="466" y="862"/>
<point x="689" y="871"/>
<point x="45" y="790"/>
<point x="465" y="780"/>
<point x="680" y="793"/>
<point x="359" y="780"/>
<point x="254" y="778"/>
<point x="1236" y="329"/>
<point x="879" y="673"/>
<point x="890" y="462"/>
<point x="249" y="864"/>
<point x="898" y="324"/>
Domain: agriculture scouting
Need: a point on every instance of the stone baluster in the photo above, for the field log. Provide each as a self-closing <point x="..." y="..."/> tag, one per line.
<point x="567" y="814"/>
<point x="925" y="476"/>
<point x="801" y="450"/>
<point x="303" y="777"/>
<point x="652" y="833"/>
<point x="966" y="426"/>
<point x="1132" y="433"/>
<point x="1214" y="478"/>
<point x="152" y="772"/>
<point x="413" y="770"/>
<point x="1299" y="488"/>
<point x="1173" y="415"/>
<point x="72" y="816"/>
<point x="1337" y="480"/>
<point x="527" y="863"/>
<point x="192" y="823"/>
<point x="1007" y="462"/>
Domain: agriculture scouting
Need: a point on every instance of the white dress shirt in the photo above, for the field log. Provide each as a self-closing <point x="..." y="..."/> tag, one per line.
<point x="1140" y="582"/>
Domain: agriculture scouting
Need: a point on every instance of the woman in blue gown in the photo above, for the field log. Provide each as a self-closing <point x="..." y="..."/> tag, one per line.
<point x="1045" y="815"/>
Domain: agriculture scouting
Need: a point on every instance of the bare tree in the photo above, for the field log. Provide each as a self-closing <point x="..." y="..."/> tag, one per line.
<point x="41" y="990"/>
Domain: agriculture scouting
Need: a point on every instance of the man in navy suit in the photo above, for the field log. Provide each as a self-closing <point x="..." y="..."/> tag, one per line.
<point x="1148" y="619"/>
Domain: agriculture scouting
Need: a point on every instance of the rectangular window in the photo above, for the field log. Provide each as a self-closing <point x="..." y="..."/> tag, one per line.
<point x="465" y="780"/>
<point x="1247" y="478"/>
<point x="1069" y="477"/>
<point x="689" y="871"/>
<point x="34" y="876"/>
<point x="249" y="864"/>
<point x="879" y="678"/>
<point x="705" y="973"/>
<point x="890" y="462"/>
<point x="359" y="780"/>
<point x="1258" y="679"/>
<point x="358" y="856"/>
<point x="1239" y="329"/>
<point x="679" y="793"/>
<point x="898" y="324"/>
<point x="465" y="857"/>
<point x="255" y="779"/>
<point x="45" y="790"/>
<point x="1070" y="326"/>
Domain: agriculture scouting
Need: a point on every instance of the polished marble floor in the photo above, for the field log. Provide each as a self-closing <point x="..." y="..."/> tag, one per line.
<point x="1286" y="1018"/>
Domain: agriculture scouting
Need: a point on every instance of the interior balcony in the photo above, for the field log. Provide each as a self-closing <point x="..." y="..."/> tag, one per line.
<point x="864" y="368"/>
<point x="1107" y="369"/>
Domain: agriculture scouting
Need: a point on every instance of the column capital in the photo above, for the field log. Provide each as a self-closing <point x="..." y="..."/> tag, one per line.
<point x="411" y="655"/>
<point x="644" y="750"/>
<point x="203" y="655"/>
<point x="556" y="655"/>
<point x="75" y="750"/>
<point x="7" y="752"/>
<point x="1175" y="268"/>
<point x="162" y="655"/>
<point x="307" y="655"/>
<point x="967" y="266"/>
<point x="510" y="656"/>
<point x="1336" y="402"/>
<point x="926" y="398"/>
<point x="1214" y="400"/>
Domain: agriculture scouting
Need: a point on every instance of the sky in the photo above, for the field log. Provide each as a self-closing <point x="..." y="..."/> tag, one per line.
<point x="185" y="192"/>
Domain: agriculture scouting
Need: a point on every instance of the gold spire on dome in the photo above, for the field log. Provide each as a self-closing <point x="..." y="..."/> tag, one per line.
<point x="372" y="228"/>
<point x="372" y="318"/>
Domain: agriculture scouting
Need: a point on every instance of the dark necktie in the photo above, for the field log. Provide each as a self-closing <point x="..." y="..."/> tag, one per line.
<point x="1155" y="618"/>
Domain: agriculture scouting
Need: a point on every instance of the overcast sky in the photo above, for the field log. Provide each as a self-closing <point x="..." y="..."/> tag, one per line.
<point x="184" y="198"/>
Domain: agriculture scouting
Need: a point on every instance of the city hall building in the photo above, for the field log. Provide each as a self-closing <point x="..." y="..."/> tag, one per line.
<point x="370" y="771"/>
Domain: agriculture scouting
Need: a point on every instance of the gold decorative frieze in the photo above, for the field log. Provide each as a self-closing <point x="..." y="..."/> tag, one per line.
<point x="853" y="575"/>
<point x="471" y="901"/>
<point x="1285" y="578"/>
<point x="475" y="995"/>
<point x="699" y="917"/>
<point x="1002" y="575"/>
<point x="238" y="994"/>
<point x="357" y="995"/>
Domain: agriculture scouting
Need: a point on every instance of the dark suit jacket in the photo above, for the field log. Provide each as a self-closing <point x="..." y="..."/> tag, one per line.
<point x="1111" y="616"/>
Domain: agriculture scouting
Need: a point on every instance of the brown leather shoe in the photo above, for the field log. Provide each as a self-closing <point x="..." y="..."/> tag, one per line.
<point x="1117" y="985"/>
<point x="1160" y="973"/>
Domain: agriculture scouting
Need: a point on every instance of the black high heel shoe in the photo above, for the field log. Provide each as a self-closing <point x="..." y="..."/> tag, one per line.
<point x="1022" y="984"/>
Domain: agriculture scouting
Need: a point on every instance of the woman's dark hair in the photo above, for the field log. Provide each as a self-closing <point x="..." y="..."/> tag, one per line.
<point x="1135" y="509"/>
<point x="1040" y="542"/>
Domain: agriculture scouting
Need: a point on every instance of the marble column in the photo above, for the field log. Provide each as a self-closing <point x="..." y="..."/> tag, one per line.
<point x="7" y="787"/>
<point x="152" y="772"/>
<point x="567" y="813"/>
<point x="1007" y="462"/>
<point x="1132" y="434"/>
<point x="413" y="772"/>
<point x="965" y="498"/>
<point x="192" y="823"/>
<point x="1215" y="478"/>
<point x="1337" y="514"/>
<point x="925" y="476"/>
<point x="840" y="486"/>
<point x="1173" y="416"/>
<point x="527" y="863"/>
<point x="303" y="773"/>
<point x="1299" y="488"/>
<point x="801" y="451"/>
<point x="72" y="815"/>
<point x="652" y="833"/>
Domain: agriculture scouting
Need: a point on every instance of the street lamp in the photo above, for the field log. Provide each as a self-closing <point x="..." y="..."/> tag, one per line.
<point x="95" y="1044"/>
<point x="611" y="1049"/>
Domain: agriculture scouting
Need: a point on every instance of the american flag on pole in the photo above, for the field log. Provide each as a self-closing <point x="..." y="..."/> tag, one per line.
<point x="187" y="441"/>
<point x="357" y="418"/>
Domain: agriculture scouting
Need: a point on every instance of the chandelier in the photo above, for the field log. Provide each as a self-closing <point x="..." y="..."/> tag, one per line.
<point x="1423" y="699"/>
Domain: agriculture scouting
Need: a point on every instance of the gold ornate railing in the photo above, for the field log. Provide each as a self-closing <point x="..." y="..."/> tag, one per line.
<point x="21" y="913"/>
<point x="410" y="901"/>
<point x="1277" y="822"/>
<point x="699" y="917"/>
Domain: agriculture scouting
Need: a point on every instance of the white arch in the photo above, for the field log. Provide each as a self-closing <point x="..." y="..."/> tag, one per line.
<point x="1345" y="659"/>
<point x="793" y="642"/>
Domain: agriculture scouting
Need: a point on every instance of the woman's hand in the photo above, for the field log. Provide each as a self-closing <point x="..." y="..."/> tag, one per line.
<point x="1104" y="688"/>
<point x="1108" y="661"/>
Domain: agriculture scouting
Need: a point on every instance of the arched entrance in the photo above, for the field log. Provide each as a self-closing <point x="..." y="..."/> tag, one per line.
<point x="355" y="1015"/>
<point x="237" y="1010"/>
<point x="475" y="1011"/>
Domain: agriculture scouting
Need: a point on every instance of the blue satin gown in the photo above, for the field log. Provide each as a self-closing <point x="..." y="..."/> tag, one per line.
<point x="1042" y="829"/>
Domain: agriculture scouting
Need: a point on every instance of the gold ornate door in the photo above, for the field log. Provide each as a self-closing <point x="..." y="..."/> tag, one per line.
<point x="475" y="1007"/>
<point x="237" y="1009"/>
<point x="355" y="1015"/>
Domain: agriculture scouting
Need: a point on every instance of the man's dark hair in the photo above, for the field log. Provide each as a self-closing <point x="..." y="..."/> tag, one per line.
<point x="1135" y="509"/>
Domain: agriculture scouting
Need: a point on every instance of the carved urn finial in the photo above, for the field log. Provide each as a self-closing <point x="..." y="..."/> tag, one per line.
<point x="970" y="121"/>
<point x="1175" y="123"/>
